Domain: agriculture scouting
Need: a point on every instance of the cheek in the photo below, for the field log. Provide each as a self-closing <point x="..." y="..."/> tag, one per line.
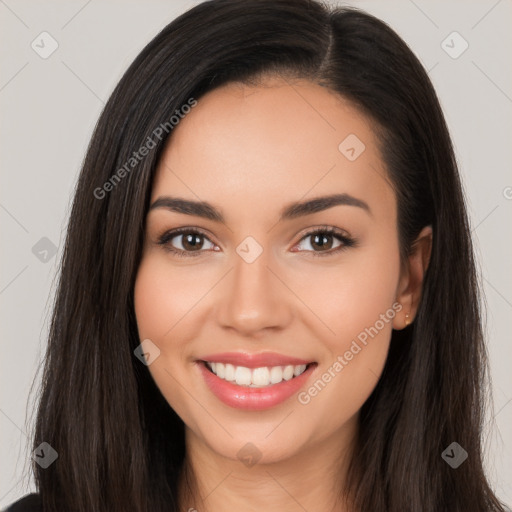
<point x="351" y="295"/>
<point x="162" y="298"/>
<point x="150" y="301"/>
<point x="359" y="311"/>
<point x="163" y="295"/>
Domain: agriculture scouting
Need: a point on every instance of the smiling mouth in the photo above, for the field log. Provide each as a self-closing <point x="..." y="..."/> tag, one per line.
<point x="261" y="377"/>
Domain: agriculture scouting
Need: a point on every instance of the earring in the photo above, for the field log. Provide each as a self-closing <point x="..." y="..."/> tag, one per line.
<point x="407" y="319"/>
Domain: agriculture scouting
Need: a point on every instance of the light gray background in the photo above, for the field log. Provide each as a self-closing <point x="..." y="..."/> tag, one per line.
<point x="49" y="108"/>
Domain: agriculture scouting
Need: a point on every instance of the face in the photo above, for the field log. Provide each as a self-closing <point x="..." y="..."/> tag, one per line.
<point x="252" y="286"/>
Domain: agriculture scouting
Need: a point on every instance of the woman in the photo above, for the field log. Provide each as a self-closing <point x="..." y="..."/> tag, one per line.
<point x="268" y="298"/>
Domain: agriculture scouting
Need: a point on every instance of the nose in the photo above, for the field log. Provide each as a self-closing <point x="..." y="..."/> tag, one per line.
<point x="253" y="297"/>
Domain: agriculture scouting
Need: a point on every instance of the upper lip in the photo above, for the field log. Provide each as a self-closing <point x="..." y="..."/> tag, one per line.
<point x="254" y="360"/>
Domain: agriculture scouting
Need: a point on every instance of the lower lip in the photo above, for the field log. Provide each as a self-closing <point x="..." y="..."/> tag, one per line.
<point x="254" y="399"/>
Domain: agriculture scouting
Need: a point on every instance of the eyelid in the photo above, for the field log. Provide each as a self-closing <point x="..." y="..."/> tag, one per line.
<point x="323" y="228"/>
<point x="343" y="236"/>
<point x="168" y="235"/>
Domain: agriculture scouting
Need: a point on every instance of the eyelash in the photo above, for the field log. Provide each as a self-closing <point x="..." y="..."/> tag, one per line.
<point x="166" y="237"/>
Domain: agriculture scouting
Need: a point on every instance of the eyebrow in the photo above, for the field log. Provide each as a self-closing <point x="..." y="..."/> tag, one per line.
<point x="291" y="211"/>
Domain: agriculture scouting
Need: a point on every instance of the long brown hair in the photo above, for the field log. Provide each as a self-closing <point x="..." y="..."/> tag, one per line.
<point x="120" y="445"/>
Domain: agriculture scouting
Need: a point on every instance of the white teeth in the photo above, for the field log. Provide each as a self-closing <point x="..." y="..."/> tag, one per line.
<point x="242" y="376"/>
<point x="260" y="377"/>
<point x="276" y="375"/>
<point x="297" y="370"/>
<point x="220" y="370"/>
<point x="288" y="372"/>
<point x="230" y="372"/>
<point x="255" y="377"/>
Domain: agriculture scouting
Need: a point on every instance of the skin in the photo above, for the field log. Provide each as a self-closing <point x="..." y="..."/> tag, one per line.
<point x="251" y="150"/>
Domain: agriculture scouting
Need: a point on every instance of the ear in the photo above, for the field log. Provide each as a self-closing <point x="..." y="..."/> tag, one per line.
<point x="411" y="278"/>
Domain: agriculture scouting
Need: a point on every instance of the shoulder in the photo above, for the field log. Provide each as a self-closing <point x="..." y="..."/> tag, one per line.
<point x="29" y="503"/>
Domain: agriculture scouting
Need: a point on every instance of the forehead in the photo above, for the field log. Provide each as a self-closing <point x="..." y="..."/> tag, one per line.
<point x="272" y="143"/>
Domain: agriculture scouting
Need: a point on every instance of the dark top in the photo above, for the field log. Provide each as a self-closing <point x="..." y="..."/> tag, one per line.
<point x="29" y="503"/>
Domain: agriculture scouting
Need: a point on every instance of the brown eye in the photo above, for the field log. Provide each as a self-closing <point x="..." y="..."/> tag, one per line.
<point x="185" y="242"/>
<point x="192" y="241"/>
<point x="322" y="240"/>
